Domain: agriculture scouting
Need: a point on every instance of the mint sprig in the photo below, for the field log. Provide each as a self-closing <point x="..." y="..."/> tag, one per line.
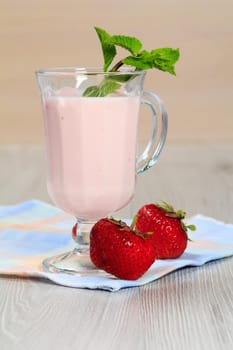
<point x="107" y="87"/>
<point x="108" y="49"/>
<point x="163" y="59"/>
<point x="133" y="45"/>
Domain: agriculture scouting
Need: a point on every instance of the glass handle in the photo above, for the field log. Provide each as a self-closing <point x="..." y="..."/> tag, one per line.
<point x="158" y="132"/>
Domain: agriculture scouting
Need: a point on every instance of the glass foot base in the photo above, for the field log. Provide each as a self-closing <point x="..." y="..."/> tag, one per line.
<point x="76" y="262"/>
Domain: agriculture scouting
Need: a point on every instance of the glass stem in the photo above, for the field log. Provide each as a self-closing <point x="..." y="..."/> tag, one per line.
<point x="81" y="233"/>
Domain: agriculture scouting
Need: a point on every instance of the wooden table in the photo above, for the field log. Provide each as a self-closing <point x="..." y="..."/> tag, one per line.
<point x="188" y="309"/>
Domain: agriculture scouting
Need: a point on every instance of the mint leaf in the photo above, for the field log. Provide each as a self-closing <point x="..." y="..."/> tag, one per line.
<point x="108" y="87"/>
<point x="91" y="91"/>
<point x="105" y="88"/>
<point x="165" y="58"/>
<point x="121" y="78"/>
<point x="141" y="61"/>
<point x="162" y="59"/>
<point x="108" y="49"/>
<point x="129" y="43"/>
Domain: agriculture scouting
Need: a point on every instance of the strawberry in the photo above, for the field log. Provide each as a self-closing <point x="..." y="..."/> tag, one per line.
<point x="169" y="231"/>
<point x="120" y="251"/>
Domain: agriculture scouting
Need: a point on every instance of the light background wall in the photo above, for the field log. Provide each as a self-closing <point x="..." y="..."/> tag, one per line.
<point x="42" y="33"/>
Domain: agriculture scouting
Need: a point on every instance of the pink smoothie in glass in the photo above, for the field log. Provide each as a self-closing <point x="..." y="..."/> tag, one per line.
<point x="91" y="152"/>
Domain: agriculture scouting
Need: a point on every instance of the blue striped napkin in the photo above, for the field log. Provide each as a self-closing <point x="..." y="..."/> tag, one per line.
<point x="33" y="230"/>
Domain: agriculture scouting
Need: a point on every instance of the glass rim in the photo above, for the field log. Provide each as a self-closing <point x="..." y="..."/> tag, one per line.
<point x="64" y="71"/>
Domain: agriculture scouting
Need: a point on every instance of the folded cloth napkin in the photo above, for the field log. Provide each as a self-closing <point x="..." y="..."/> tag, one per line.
<point x="33" y="230"/>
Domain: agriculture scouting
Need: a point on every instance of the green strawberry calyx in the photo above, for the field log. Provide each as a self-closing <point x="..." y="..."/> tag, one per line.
<point x="179" y="214"/>
<point x="144" y="235"/>
<point x="116" y="222"/>
<point x="123" y="226"/>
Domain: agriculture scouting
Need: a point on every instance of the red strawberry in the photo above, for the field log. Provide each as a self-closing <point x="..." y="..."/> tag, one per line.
<point x="118" y="250"/>
<point x="169" y="231"/>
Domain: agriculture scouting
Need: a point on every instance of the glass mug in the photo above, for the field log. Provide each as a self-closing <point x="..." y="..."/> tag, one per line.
<point x="91" y="146"/>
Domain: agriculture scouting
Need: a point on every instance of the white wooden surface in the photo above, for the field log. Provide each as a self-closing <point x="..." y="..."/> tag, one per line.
<point x="189" y="309"/>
